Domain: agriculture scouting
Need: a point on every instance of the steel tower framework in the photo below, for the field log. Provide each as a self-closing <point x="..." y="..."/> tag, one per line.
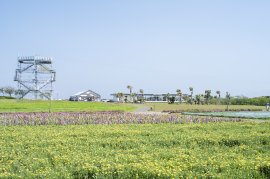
<point x="35" y="76"/>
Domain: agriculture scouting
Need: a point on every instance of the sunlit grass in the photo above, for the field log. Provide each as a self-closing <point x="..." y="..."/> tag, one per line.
<point x="56" y="106"/>
<point x="198" y="108"/>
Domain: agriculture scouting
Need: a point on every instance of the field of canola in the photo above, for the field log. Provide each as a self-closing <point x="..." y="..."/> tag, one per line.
<point x="153" y="150"/>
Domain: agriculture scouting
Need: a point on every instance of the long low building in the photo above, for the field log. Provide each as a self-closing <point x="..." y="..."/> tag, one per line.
<point x="87" y="95"/>
<point x="146" y="97"/>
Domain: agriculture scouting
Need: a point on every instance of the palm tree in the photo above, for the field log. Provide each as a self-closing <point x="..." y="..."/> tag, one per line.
<point x="197" y="99"/>
<point x="191" y="94"/>
<point x="133" y="95"/>
<point x="228" y="97"/>
<point x="142" y="93"/>
<point x="218" y="95"/>
<point x="207" y="95"/>
<point x="180" y="94"/>
<point x="119" y="95"/>
<point x="168" y="95"/>
<point x="130" y="90"/>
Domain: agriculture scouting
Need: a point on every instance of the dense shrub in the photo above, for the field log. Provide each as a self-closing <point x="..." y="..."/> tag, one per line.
<point x="260" y="101"/>
<point x="6" y="97"/>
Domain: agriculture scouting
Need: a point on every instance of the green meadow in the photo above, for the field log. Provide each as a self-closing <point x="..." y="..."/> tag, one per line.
<point x="162" y="150"/>
<point x="13" y="105"/>
<point x="59" y="106"/>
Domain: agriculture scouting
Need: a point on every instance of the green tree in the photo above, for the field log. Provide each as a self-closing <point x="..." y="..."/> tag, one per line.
<point x="142" y="93"/>
<point x="191" y="95"/>
<point x="202" y="99"/>
<point x="228" y="97"/>
<point x="168" y="95"/>
<point x="129" y="87"/>
<point x="120" y="96"/>
<point x="133" y="96"/>
<point x="218" y="97"/>
<point x="207" y="96"/>
<point x="197" y="99"/>
<point x="180" y="94"/>
<point x="19" y="93"/>
<point x="186" y="98"/>
<point x="9" y="90"/>
<point x="171" y="100"/>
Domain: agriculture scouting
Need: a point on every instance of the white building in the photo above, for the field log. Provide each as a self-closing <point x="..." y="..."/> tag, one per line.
<point x="85" y="96"/>
<point x="146" y="97"/>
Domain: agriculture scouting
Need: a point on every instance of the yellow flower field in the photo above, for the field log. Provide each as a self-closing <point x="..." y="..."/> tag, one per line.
<point x="219" y="150"/>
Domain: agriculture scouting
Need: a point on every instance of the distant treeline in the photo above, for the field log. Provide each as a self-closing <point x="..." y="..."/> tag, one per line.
<point x="258" y="101"/>
<point x="228" y="100"/>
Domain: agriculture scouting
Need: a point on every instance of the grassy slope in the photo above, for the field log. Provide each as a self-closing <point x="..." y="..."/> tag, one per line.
<point x="227" y="150"/>
<point x="33" y="106"/>
<point x="187" y="107"/>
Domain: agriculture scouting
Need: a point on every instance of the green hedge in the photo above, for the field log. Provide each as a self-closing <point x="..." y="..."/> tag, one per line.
<point x="6" y="97"/>
<point x="260" y="101"/>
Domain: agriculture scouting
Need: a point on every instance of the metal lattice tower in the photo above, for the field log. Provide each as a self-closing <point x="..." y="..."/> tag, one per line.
<point x="35" y="76"/>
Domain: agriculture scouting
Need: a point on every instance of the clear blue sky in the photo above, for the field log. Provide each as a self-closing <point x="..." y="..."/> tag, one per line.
<point x="155" y="45"/>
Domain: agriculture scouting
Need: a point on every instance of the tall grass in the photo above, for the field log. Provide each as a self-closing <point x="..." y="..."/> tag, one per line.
<point x="200" y="108"/>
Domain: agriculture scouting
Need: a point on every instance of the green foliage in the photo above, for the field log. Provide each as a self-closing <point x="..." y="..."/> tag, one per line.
<point x="190" y="101"/>
<point x="213" y="150"/>
<point x="6" y="97"/>
<point x="208" y="99"/>
<point x="207" y="96"/>
<point x="199" y="99"/>
<point x="171" y="100"/>
<point x="259" y="101"/>
<point x="180" y="94"/>
<point x="44" y="105"/>
<point x="265" y="170"/>
<point x="9" y="90"/>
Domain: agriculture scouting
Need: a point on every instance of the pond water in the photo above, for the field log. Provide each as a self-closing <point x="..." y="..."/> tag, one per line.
<point x="242" y="114"/>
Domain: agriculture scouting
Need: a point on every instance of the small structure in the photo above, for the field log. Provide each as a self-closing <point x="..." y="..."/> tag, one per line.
<point x="35" y="76"/>
<point x="85" y="96"/>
